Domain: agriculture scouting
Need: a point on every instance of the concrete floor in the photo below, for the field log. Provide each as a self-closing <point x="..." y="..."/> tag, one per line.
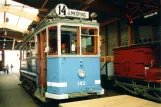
<point x="12" y="94"/>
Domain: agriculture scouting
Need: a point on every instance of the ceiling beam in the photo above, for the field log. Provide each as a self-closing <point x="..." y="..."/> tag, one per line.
<point x="20" y="13"/>
<point x="43" y="10"/>
<point x="12" y="27"/>
<point x="16" y="37"/>
<point x="100" y="5"/>
<point x="110" y="9"/>
<point x="45" y="2"/>
<point x="85" y="8"/>
<point x="85" y="2"/>
<point x="108" y="21"/>
<point x="5" y="12"/>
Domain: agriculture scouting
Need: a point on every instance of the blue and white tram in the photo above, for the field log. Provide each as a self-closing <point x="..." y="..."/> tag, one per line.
<point x="60" y="59"/>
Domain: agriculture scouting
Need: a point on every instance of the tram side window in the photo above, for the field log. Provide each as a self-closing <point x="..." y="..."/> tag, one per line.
<point x="69" y="40"/>
<point x="28" y="49"/>
<point x="89" y="41"/>
<point x="32" y="43"/>
<point x="23" y="54"/>
<point x="53" y="40"/>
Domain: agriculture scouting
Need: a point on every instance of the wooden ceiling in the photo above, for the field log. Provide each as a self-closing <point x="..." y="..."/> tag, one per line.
<point x="107" y="10"/>
<point x="100" y="6"/>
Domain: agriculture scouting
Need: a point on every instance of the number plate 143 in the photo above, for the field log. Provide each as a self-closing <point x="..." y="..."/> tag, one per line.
<point x="81" y="83"/>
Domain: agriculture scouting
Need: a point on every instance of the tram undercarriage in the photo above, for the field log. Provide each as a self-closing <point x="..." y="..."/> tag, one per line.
<point x="28" y="82"/>
<point x="150" y="90"/>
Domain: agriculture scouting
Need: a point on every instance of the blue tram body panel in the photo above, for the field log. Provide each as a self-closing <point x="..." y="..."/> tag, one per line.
<point x="63" y="75"/>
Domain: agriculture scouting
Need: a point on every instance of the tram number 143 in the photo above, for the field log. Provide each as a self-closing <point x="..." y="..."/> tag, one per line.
<point x="81" y="83"/>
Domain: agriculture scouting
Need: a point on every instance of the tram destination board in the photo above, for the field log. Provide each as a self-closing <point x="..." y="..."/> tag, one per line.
<point x="63" y="11"/>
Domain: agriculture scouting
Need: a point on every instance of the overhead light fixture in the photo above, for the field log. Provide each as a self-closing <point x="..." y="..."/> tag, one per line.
<point x="7" y="19"/>
<point x="19" y="41"/>
<point x="5" y="33"/>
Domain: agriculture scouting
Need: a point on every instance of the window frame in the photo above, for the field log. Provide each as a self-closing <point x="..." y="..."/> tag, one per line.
<point x="96" y="40"/>
<point x="77" y="39"/>
<point x="48" y="42"/>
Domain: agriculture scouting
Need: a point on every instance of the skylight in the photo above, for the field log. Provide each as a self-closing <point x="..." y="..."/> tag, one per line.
<point x="13" y="19"/>
<point x="17" y="14"/>
<point x="1" y="17"/>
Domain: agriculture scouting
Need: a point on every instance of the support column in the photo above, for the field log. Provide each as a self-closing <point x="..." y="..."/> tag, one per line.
<point x="117" y="34"/>
<point x="3" y="59"/>
<point x="131" y="35"/>
<point x="153" y="32"/>
<point x="106" y="41"/>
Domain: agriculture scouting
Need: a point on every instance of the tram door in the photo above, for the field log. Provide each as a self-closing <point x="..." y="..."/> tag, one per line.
<point x="42" y="59"/>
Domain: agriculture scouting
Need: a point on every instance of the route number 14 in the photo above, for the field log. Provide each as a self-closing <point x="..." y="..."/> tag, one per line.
<point x="61" y="10"/>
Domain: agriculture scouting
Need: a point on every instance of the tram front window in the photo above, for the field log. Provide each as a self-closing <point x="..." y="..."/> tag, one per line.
<point x="89" y="41"/>
<point x="69" y="40"/>
<point x="53" y="40"/>
<point x="87" y="44"/>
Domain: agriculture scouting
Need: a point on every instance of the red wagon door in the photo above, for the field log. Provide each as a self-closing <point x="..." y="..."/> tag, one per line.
<point x="119" y="63"/>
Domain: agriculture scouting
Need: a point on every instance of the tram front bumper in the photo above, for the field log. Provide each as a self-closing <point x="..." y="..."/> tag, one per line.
<point x="72" y="95"/>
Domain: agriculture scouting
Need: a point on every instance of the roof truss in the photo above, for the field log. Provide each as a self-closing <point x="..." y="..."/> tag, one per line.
<point x="20" y="13"/>
<point x="15" y="28"/>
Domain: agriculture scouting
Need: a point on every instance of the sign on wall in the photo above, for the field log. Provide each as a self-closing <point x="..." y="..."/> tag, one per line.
<point x="63" y="11"/>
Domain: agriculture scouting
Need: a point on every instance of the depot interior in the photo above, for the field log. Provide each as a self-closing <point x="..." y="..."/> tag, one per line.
<point x="123" y="23"/>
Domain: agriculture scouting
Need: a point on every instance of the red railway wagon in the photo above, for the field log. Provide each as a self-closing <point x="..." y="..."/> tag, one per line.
<point x="137" y="69"/>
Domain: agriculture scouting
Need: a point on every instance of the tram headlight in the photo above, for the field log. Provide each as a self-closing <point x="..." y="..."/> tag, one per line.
<point x="81" y="73"/>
